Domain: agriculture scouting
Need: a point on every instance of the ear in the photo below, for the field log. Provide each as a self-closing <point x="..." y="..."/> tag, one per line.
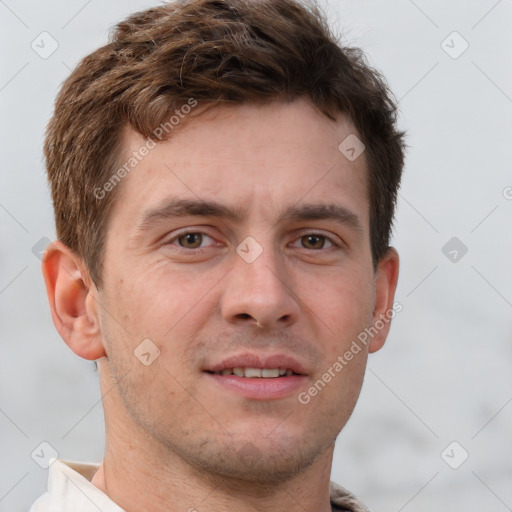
<point x="386" y="278"/>
<point x="72" y="296"/>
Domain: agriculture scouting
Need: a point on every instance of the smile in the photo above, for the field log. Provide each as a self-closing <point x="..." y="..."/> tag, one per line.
<point x="252" y="373"/>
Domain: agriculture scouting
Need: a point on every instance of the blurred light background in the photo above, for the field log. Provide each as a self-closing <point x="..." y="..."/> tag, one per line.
<point x="444" y="376"/>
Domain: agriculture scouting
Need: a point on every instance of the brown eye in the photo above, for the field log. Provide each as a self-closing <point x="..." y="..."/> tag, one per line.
<point x="191" y="240"/>
<point x="313" y="241"/>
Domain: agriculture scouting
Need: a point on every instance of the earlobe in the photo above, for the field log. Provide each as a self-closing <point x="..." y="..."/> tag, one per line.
<point x="70" y="294"/>
<point x="386" y="278"/>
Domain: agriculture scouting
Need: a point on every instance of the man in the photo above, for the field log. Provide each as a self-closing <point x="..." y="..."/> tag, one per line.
<point x="229" y="366"/>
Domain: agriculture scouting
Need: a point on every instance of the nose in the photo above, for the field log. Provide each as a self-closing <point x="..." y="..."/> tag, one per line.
<point x="260" y="293"/>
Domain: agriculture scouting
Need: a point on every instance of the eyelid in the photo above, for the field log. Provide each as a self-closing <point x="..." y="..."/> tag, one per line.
<point x="335" y="240"/>
<point x="187" y="231"/>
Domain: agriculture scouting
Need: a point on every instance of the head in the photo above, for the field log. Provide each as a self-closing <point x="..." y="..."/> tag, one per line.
<point x="238" y="120"/>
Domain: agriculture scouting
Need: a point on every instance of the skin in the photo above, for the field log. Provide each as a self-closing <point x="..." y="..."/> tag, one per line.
<point x="175" y="440"/>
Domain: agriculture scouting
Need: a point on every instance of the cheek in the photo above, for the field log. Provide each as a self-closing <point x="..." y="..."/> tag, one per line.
<point x="168" y="308"/>
<point x="344" y="304"/>
<point x="153" y="301"/>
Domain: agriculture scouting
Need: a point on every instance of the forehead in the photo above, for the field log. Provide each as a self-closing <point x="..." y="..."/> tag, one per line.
<point x="255" y="159"/>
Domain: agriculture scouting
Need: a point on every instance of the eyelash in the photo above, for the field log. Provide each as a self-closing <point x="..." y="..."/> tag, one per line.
<point x="333" y="243"/>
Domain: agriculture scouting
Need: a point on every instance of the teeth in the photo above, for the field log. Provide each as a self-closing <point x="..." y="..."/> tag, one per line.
<point x="274" y="372"/>
<point x="252" y="372"/>
<point x="266" y="373"/>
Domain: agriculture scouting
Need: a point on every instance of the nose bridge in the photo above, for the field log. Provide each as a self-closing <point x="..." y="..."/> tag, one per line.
<point x="257" y="290"/>
<point x="258" y="265"/>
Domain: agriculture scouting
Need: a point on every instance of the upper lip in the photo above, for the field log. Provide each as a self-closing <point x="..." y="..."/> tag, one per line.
<point x="251" y="360"/>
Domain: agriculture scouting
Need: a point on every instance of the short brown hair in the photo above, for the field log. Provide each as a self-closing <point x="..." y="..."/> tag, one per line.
<point x="215" y="51"/>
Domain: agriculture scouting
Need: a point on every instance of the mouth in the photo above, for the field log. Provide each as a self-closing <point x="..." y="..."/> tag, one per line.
<point x="256" y="373"/>
<point x="259" y="377"/>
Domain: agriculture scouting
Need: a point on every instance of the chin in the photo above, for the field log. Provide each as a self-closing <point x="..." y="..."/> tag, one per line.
<point x="259" y="460"/>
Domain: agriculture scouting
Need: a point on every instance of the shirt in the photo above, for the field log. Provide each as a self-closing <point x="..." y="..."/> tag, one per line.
<point x="70" y="490"/>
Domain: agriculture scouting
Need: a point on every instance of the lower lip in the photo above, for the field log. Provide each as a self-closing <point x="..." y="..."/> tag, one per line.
<point x="261" y="388"/>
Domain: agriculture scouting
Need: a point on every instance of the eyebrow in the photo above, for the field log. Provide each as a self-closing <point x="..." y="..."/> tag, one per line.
<point x="175" y="208"/>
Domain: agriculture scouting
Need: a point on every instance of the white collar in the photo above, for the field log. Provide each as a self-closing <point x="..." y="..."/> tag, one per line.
<point x="70" y="489"/>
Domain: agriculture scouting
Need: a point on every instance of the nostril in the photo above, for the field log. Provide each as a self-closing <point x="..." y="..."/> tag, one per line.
<point x="243" y="316"/>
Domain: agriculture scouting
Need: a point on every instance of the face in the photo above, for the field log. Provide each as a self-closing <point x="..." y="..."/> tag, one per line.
<point x="240" y="247"/>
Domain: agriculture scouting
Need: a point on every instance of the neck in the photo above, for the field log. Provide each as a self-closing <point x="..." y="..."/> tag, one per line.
<point x="139" y="473"/>
<point x="138" y="485"/>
